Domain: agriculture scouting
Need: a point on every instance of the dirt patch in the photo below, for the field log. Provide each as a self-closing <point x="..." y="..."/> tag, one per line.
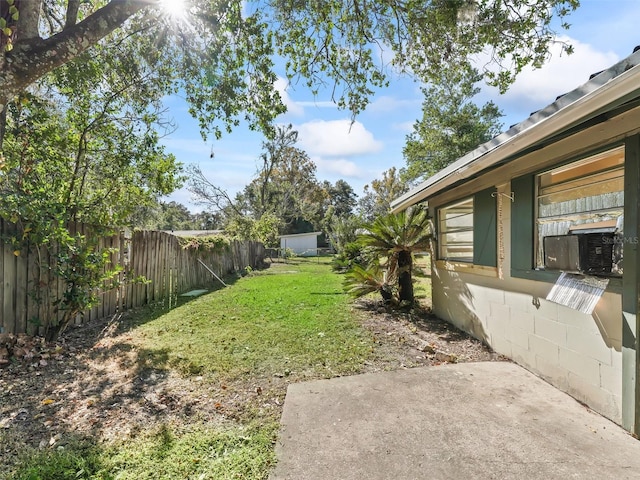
<point x="95" y="382"/>
<point x="417" y="338"/>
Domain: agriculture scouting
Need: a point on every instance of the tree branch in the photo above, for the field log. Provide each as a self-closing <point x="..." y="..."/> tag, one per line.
<point x="32" y="58"/>
<point x="29" y="20"/>
<point x="72" y="13"/>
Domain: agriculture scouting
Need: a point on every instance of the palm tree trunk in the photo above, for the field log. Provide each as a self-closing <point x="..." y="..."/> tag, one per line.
<point x="405" y="283"/>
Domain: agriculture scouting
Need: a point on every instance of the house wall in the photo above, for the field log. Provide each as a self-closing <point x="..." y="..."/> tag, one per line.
<point x="304" y="245"/>
<point x="578" y="353"/>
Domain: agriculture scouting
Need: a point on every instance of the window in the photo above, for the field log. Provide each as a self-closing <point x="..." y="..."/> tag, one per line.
<point x="583" y="196"/>
<point x="455" y="232"/>
<point x="467" y="231"/>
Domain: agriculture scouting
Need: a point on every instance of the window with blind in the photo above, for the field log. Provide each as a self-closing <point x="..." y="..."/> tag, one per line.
<point x="455" y="232"/>
<point x="583" y="195"/>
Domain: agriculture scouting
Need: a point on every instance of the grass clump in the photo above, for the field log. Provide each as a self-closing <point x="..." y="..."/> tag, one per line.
<point x="81" y="459"/>
<point x="200" y="453"/>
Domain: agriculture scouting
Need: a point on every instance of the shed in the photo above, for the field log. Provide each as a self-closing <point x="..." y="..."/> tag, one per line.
<point x="302" y="244"/>
<point x="531" y="230"/>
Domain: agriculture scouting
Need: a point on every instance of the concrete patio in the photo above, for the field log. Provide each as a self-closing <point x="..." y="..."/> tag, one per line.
<point x="492" y="420"/>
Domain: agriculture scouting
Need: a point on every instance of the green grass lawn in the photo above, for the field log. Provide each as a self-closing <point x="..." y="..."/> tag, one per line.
<point x="290" y="322"/>
<point x="289" y="317"/>
<point x="422" y="279"/>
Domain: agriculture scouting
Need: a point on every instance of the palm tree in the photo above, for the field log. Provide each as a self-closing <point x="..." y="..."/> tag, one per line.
<point x="395" y="237"/>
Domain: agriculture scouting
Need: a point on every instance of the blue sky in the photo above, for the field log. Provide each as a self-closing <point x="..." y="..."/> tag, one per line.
<point x="602" y="32"/>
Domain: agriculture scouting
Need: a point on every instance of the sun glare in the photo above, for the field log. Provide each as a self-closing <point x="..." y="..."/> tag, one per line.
<point x="175" y="9"/>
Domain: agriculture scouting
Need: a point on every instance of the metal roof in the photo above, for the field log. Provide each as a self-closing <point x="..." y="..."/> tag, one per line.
<point x="306" y="234"/>
<point x="603" y="92"/>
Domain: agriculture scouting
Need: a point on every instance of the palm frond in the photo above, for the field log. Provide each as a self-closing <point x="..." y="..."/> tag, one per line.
<point x="409" y="230"/>
<point x="360" y="281"/>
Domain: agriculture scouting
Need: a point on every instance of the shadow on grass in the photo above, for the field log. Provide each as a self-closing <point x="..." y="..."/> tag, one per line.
<point x="141" y="315"/>
<point x="94" y="383"/>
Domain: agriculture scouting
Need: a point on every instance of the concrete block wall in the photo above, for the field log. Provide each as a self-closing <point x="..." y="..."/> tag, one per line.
<point x="577" y="353"/>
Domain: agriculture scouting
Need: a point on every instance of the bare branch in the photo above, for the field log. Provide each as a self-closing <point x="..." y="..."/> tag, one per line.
<point x="206" y="193"/>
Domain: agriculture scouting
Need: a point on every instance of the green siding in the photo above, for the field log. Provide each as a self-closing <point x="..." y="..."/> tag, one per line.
<point x="485" y="244"/>
<point x="522" y="224"/>
<point x="631" y="288"/>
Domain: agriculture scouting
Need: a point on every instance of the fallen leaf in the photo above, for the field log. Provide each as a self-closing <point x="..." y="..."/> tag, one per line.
<point x="53" y="440"/>
<point x="48" y="401"/>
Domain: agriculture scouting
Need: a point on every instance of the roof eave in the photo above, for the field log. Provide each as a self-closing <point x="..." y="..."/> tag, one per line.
<point x="567" y="111"/>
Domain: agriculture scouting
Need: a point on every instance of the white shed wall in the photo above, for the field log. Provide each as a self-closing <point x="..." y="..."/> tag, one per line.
<point x="303" y="245"/>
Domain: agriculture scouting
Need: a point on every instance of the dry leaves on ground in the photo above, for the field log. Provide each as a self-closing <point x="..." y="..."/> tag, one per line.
<point x="97" y="382"/>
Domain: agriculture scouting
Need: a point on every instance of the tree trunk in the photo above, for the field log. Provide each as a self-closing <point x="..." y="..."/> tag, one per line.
<point x="53" y="330"/>
<point x="405" y="282"/>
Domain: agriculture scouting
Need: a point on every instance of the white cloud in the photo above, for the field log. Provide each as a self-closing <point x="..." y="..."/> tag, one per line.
<point x="337" y="167"/>
<point x="385" y="104"/>
<point x="336" y="138"/>
<point x="293" y="108"/>
<point x="560" y="75"/>
<point x="318" y="104"/>
<point x="405" y="127"/>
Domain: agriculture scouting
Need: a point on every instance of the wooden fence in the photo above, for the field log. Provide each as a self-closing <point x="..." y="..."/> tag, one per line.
<point x="28" y="285"/>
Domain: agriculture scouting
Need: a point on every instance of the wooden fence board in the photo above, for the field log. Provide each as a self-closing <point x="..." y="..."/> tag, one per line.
<point x="22" y="291"/>
<point x="158" y="256"/>
<point x="2" y="280"/>
<point x="9" y="279"/>
<point x="49" y="288"/>
<point x="35" y="288"/>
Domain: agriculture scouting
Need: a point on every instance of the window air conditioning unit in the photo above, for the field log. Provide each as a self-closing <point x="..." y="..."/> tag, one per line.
<point x="587" y="253"/>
